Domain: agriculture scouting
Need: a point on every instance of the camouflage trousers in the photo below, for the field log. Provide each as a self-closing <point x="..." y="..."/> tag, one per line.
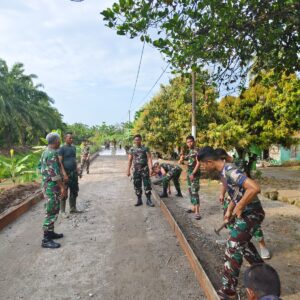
<point x="239" y="246"/>
<point x="52" y="204"/>
<point x="85" y="162"/>
<point x="258" y="234"/>
<point x="141" y="176"/>
<point x="72" y="190"/>
<point x="194" y="187"/>
<point x="172" y="175"/>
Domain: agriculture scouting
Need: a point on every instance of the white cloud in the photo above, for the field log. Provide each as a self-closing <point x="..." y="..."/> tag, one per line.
<point x="67" y="45"/>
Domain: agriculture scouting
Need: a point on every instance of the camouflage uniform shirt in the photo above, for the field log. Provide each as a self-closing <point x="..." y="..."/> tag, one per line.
<point x="191" y="157"/>
<point x="140" y="159"/>
<point x="50" y="169"/>
<point x="234" y="179"/>
<point x="85" y="151"/>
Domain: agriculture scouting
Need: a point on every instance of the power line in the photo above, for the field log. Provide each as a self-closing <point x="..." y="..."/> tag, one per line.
<point x="137" y="76"/>
<point x="151" y="89"/>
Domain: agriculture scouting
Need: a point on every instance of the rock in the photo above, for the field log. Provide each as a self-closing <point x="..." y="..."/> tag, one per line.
<point x="271" y="194"/>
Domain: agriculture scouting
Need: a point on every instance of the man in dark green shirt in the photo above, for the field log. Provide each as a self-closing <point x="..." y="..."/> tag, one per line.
<point x="67" y="158"/>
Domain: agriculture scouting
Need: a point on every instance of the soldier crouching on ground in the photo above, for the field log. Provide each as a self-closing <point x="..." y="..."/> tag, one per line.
<point x="168" y="172"/>
<point x="53" y="189"/>
<point x="225" y="200"/>
<point x="140" y="156"/>
<point x="244" y="212"/>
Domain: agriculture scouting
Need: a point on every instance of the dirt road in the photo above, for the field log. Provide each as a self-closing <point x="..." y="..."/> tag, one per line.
<point x="111" y="251"/>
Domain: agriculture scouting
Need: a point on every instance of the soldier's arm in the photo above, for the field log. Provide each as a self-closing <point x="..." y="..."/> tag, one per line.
<point x="252" y="190"/>
<point x="149" y="157"/>
<point x="222" y="193"/>
<point x="130" y="158"/>
<point x="163" y="172"/>
<point x="197" y="167"/>
<point x="60" y="158"/>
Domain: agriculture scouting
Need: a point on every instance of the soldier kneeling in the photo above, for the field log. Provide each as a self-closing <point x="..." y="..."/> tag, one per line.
<point x="167" y="173"/>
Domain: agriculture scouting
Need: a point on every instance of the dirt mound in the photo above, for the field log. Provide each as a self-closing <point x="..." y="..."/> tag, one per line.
<point x="16" y="195"/>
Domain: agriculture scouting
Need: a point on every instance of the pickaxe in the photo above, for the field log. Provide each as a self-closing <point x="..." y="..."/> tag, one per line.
<point x="217" y="231"/>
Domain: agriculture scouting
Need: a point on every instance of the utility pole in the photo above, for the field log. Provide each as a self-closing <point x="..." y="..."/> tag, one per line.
<point x="193" y="105"/>
<point x="129" y="115"/>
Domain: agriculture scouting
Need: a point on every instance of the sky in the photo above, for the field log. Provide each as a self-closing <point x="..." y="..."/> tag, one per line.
<point x="84" y="66"/>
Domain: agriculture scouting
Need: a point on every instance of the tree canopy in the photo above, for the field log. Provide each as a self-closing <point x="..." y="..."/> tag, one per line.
<point x="229" y="37"/>
<point x="26" y="111"/>
<point x="166" y="120"/>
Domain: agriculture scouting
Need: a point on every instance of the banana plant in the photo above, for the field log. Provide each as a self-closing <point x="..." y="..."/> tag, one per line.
<point x="41" y="148"/>
<point x="16" y="167"/>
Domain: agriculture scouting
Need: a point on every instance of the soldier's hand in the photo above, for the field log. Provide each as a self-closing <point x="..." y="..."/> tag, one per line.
<point x="66" y="178"/>
<point x="128" y="173"/>
<point x="227" y="216"/>
<point x="192" y="177"/>
<point x="63" y="192"/>
<point x="221" y="199"/>
<point x="238" y="210"/>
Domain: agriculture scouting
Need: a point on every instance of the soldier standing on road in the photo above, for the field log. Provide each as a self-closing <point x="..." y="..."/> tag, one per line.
<point x="258" y="234"/>
<point x="244" y="212"/>
<point x="85" y="158"/>
<point x="53" y="189"/>
<point x="140" y="156"/>
<point x="193" y="176"/>
<point x="67" y="158"/>
<point x="169" y="172"/>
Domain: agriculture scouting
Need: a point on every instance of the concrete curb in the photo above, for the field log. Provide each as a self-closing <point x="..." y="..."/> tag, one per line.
<point x="200" y="274"/>
<point x="14" y="212"/>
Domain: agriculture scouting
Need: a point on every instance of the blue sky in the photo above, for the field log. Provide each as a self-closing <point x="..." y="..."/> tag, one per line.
<point x="84" y="66"/>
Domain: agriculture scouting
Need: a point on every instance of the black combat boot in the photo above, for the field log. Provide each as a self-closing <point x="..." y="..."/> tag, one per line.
<point x="179" y="194"/>
<point x="164" y="193"/>
<point x="54" y="236"/>
<point x="47" y="242"/>
<point x="139" y="201"/>
<point x="149" y="201"/>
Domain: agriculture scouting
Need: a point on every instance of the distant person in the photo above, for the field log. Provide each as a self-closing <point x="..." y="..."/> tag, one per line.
<point x="67" y="158"/>
<point x="258" y="234"/>
<point x="168" y="172"/>
<point x="85" y="158"/>
<point x="262" y="283"/>
<point x="193" y="176"/>
<point x="53" y="189"/>
<point x="140" y="156"/>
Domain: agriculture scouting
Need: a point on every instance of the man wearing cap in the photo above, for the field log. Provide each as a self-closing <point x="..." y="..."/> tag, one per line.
<point x="53" y="189"/>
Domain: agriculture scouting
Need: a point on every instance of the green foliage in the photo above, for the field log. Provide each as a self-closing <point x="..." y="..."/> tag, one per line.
<point x="26" y="112"/>
<point x="16" y="167"/>
<point x="166" y="120"/>
<point x="266" y="113"/>
<point x="233" y="36"/>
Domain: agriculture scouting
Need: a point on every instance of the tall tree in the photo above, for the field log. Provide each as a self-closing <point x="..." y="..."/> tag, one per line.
<point x="231" y="36"/>
<point x="26" y="112"/>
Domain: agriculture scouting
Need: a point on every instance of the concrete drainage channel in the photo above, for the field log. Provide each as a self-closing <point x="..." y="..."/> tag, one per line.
<point x="200" y="274"/>
<point x="11" y="214"/>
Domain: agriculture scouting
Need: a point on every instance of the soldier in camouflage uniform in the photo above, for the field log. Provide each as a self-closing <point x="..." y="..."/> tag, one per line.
<point x="53" y="189"/>
<point x="140" y="156"/>
<point x="193" y="176"/>
<point x="225" y="200"/>
<point x="169" y="172"/>
<point x="246" y="215"/>
<point x="85" y="158"/>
